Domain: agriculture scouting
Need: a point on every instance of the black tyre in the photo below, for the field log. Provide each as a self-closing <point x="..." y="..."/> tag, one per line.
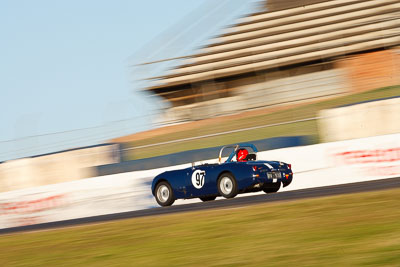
<point x="227" y="185"/>
<point x="164" y="194"/>
<point x="271" y="188"/>
<point x="208" y="198"/>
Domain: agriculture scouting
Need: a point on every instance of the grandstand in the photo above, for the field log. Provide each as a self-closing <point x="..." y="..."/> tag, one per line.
<point x="294" y="52"/>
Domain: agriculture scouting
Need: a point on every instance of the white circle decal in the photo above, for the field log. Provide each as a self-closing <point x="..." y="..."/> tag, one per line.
<point x="198" y="178"/>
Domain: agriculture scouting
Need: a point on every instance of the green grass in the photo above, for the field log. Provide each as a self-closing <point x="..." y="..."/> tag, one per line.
<point x="297" y="113"/>
<point x="347" y="230"/>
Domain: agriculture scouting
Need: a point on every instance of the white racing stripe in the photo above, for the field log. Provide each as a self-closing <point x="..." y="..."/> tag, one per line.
<point x="268" y="165"/>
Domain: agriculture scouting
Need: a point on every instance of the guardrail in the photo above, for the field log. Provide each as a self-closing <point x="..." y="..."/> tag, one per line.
<point x="195" y="155"/>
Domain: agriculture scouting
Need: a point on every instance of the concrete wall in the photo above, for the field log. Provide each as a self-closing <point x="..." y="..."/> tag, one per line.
<point x="55" y="168"/>
<point x="361" y="120"/>
<point x="313" y="166"/>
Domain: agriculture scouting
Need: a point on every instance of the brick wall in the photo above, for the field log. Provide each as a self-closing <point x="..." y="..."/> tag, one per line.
<point x="372" y="70"/>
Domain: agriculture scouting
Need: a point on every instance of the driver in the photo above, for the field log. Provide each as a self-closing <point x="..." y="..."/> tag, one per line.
<point x="241" y="155"/>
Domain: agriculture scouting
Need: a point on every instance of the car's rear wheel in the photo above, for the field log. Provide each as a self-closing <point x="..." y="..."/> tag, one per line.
<point x="208" y="198"/>
<point x="271" y="188"/>
<point x="164" y="194"/>
<point x="227" y="185"/>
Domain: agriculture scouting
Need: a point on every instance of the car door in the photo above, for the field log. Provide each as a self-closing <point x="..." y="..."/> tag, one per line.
<point x="201" y="181"/>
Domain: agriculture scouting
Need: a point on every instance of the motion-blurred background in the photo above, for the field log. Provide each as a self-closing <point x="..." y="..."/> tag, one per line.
<point x="289" y="73"/>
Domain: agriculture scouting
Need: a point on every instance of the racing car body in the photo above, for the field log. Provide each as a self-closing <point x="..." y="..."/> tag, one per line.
<point x="240" y="173"/>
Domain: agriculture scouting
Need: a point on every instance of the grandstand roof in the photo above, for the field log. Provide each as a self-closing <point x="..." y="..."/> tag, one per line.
<point x="282" y="38"/>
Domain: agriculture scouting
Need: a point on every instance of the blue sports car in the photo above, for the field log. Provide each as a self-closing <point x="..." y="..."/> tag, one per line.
<point x="240" y="173"/>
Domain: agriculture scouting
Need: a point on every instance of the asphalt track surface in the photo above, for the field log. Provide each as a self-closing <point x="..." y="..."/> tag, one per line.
<point x="221" y="204"/>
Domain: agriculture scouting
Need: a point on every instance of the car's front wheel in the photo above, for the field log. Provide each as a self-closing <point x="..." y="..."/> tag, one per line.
<point x="271" y="188"/>
<point x="164" y="194"/>
<point x="227" y="186"/>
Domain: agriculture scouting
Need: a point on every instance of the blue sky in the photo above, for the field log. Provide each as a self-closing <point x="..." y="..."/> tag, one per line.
<point x="66" y="65"/>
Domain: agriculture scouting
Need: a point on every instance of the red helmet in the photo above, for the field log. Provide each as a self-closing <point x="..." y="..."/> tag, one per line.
<point x="241" y="154"/>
